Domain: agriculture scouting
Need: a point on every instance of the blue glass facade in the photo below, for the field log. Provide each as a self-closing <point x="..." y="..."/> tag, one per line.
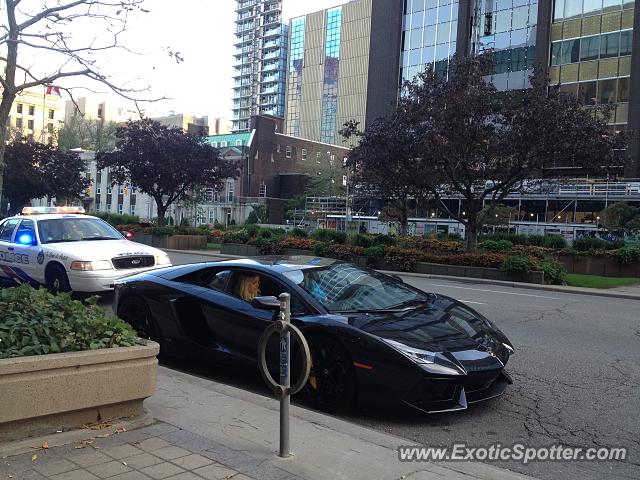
<point x="429" y="31"/>
<point x="331" y="74"/>
<point x="508" y="29"/>
<point x="296" y="63"/>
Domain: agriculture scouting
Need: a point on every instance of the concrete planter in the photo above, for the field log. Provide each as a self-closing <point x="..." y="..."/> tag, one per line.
<point x="187" y="242"/>
<point x="153" y="240"/>
<point x="238" y="249"/>
<point x="608" y="267"/>
<point x="477" y="272"/>
<point x="46" y="393"/>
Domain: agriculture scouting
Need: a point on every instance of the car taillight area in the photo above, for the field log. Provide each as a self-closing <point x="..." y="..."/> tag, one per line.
<point x="138" y="261"/>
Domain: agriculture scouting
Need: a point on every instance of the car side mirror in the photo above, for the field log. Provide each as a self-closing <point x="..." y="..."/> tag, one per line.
<point x="266" y="303"/>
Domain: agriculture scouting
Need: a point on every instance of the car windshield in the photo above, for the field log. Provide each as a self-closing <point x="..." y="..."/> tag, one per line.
<point x="343" y="287"/>
<point x="76" y="229"/>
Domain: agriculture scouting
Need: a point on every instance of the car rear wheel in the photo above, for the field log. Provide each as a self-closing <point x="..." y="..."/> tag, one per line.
<point x="135" y="311"/>
<point x="57" y="280"/>
<point x="332" y="384"/>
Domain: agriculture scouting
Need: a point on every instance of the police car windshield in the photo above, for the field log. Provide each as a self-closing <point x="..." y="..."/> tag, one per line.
<point x="76" y="229"/>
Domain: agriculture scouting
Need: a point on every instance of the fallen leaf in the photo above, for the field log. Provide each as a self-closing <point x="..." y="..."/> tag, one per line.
<point x="45" y="445"/>
<point x="34" y="457"/>
<point x="121" y="430"/>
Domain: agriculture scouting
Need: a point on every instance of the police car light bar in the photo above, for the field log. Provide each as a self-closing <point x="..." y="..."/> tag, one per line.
<point x="46" y="210"/>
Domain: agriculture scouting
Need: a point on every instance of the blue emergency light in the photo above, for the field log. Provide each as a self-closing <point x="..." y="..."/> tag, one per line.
<point x="25" y="239"/>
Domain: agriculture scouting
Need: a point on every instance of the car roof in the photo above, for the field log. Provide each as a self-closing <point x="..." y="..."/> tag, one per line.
<point x="269" y="263"/>
<point x="52" y="216"/>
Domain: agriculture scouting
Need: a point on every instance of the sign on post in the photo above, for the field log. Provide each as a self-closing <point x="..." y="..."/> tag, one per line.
<point x="284" y="390"/>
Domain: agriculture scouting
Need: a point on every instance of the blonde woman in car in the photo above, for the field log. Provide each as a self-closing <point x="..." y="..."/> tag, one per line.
<point x="248" y="287"/>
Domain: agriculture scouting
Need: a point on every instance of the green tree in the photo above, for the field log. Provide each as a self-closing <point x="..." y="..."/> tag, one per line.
<point x="36" y="170"/>
<point x="87" y="134"/>
<point x="325" y="179"/>
<point x="621" y="218"/>
<point x="480" y="144"/>
<point x="164" y="162"/>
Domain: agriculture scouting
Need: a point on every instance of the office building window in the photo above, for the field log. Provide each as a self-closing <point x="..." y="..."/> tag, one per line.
<point x="51" y="114"/>
<point x="32" y="110"/>
<point x="30" y="124"/>
<point x="331" y="74"/>
<point x="288" y="152"/>
<point x="19" y="108"/>
<point x="294" y="89"/>
<point x="263" y="190"/>
<point x="132" y="208"/>
<point x="304" y="154"/>
<point x="120" y="208"/>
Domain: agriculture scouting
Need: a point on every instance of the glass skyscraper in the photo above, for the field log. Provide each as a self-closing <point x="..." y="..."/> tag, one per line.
<point x="260" y="62"/>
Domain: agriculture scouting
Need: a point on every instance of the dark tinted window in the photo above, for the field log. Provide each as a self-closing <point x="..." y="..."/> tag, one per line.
<point x="207" y="277"/>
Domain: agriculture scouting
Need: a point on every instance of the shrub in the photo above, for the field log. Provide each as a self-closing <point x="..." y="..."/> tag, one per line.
<point x="324" y="235"/>
<point x="116" y="218"/>
<point x="497" y="245"/>
<point x="35" y="322"/>
<point x="265" y="233"/>
<point x="585" y="244"/>
<point x="515" y="239"/>
<point x="299" y="233"/>
<point x="251" y="229"/>
<point x="376" y="251"/>
<point x="383" y="240"/>
<point x="320" y="249"/>
<point x="554" y="271"/>
<point x="555" y="241"/>
<point x="627" y="255"/>
<point x="267" y="246"/>
<point x="162" y="231"/>
<point x="297" y="243"/>
<point x="360" y="240"/>
<point x="234" y="236"/>
<point x="516" y="264"/>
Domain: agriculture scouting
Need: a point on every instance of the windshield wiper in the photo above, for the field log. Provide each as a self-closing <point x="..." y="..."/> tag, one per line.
<point x="61" y="241"/>
<point x="99" y="238"/>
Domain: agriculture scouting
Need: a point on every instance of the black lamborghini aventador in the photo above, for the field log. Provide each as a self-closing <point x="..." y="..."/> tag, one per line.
<point x="372" y="337"/>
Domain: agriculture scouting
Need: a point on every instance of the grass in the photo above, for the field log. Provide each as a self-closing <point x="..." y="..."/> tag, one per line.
<point x="596" y="281"/>
<point x="213" y="246"/>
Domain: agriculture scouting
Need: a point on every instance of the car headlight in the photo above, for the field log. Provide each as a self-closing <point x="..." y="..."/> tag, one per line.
<point x="163" y="260"/>
<point x="91" y="266"/>
<point x="415" y="354"/>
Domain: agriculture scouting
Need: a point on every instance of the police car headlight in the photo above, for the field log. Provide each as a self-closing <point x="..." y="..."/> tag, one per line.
<point x="163" y="260"/>
<point x="97" y="265"/>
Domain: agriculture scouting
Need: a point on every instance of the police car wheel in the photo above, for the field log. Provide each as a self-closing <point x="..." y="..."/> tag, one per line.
<point x="135" y="312"/>
<point x="57" y="280"/>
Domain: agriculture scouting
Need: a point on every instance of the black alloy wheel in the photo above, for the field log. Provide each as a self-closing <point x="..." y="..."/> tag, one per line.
<point x="57" y="280"/>
<point x="135" y="312"/>
<point x="332" y="385"/>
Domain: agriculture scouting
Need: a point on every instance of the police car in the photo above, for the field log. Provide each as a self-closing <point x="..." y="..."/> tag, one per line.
<point x="65" y="250"/>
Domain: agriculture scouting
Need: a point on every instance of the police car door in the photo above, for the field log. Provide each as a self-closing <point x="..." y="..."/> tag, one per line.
<point x="27" y="260"/>
<point x="7" y="255"/>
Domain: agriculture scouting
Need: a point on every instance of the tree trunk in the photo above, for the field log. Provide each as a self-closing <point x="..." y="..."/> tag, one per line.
<point x="162" y="211"/>
<point x="471" y="237"/>
<point x="5" y="110"/>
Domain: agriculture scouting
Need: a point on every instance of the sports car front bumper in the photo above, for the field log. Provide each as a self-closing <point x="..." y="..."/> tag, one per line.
<point x="433" y="395"/>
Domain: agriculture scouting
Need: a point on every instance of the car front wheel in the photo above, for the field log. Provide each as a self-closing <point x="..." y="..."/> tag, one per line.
<point x="332" y="385"/>
<point x="57" y="280"/>
<point x="135" y="312"/>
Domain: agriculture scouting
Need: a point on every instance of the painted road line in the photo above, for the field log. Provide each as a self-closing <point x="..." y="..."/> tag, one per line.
<point x="496" y="291"/>
<point x="475" y="303"/>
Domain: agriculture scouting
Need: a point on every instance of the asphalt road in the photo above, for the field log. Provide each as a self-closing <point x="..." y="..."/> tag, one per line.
<point x="576" y="377"/>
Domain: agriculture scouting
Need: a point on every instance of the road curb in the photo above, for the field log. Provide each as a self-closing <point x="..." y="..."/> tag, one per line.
<point x="481" y="281"/>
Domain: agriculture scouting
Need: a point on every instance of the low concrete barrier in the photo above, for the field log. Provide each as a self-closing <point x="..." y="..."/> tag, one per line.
<point x="46" y="393"/>
<point x="604" y="266"/>
<point x="158" y="241"/>
<point x="187" y="242"/>
<point x="238" y="249"/>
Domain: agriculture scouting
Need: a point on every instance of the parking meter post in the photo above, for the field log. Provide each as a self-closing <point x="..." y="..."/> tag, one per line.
<point x="285" y="374"/>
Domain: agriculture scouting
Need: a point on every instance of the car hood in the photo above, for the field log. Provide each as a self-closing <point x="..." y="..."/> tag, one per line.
<point x="441" y="324"/>
<point x="102" y="249"/>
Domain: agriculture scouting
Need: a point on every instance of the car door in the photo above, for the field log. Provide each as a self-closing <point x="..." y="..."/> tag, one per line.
<point x="26" y="250"/>
<point x="7" y="250"/>
<point x="239" y="325"/>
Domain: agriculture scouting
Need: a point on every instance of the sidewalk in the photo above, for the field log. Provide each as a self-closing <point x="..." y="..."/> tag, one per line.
<point x="207" y="430"/>
<point x="629" y="293"/>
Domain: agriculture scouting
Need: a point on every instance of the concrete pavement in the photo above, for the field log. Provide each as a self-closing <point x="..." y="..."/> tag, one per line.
<point x="207" y="430"/>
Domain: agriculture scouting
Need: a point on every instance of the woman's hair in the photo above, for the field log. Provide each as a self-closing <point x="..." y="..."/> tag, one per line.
<point x="243" y="288"/>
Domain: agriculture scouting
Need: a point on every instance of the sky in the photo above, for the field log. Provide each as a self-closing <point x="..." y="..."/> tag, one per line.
<point x="202" y="32"/>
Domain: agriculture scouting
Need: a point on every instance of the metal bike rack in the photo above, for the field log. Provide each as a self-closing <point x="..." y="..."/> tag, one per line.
<point x="284" y="390"/>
